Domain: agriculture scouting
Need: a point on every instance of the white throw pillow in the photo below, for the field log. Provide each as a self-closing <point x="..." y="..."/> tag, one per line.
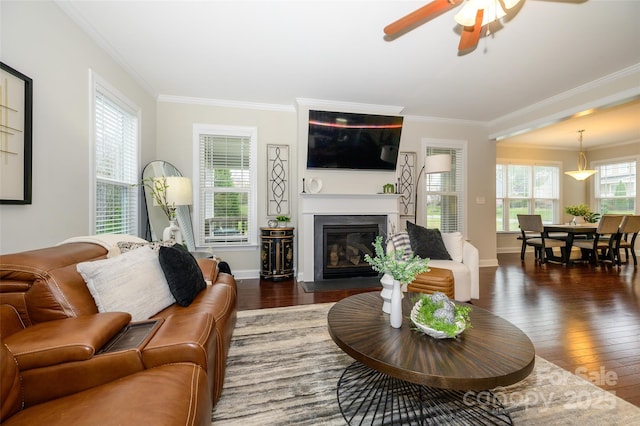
<point x="132" y="282"/>
<point x="454" y="242"/>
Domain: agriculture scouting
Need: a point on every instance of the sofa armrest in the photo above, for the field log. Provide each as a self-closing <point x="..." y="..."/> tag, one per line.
<point x="209" y="269"/>
<point x="66" y="340"/>
<point x="471" y="258"/>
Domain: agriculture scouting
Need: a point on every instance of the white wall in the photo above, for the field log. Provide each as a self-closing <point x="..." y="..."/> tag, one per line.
<point x="43" y="43"/>
<point x="175" y="144"/>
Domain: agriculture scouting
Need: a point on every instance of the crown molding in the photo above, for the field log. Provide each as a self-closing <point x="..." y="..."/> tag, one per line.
<point x="349" y="106"/>
<point x="224" y="103"/>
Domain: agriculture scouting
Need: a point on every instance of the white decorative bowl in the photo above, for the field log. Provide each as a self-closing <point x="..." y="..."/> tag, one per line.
<point x="437" y="334"/>
<point x="314" y="185"/>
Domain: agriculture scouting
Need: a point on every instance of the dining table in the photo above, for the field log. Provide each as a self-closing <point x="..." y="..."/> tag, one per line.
<point x="586" y="230"/>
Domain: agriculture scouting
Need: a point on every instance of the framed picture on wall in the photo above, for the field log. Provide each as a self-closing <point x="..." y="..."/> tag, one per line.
<point x="16" y="105"/>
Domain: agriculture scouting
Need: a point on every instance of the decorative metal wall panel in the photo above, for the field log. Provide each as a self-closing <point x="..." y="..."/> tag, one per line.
<point x="277" y="180"/>
<point x="406" y="175"/>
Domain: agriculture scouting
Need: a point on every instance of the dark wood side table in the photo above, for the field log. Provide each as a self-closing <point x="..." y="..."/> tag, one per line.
<point x="276" y="253"/>
<point x="433" y="377"/>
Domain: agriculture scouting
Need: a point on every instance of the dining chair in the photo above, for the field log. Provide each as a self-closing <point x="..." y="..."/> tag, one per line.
<point x="532" y="229"/>
<point x="628" y="232"/>
<point x="603" y="241"/>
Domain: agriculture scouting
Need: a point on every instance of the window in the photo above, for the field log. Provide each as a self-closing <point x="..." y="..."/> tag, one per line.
<point x="445" y="201"/>
<point x="615" y="186"/>
<point x="526" y="189"/>
<point x="226" y="180"/>
<point x="116" y="143"/>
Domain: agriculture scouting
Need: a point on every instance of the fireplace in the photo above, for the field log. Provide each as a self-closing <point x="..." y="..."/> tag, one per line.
<point x="328" y="208"/>
<point x="342" y="242"/>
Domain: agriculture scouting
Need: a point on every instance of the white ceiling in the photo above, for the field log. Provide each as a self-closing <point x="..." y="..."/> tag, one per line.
<point x="273" y="52"/>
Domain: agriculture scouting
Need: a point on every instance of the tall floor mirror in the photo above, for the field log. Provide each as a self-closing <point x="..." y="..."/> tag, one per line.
<point x="157" y="221"/>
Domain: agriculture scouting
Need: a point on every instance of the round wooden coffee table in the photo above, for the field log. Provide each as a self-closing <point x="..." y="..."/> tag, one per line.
<point x="403" y="375"/>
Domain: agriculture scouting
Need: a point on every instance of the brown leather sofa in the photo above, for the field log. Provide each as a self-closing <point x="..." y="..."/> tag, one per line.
<point x="63" y="362"/>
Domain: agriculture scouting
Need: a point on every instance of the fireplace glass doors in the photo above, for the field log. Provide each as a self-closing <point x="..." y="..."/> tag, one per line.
<point x="344" y="248"/>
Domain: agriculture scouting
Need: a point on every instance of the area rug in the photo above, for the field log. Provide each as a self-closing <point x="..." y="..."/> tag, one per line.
<point x="283" y="369"/>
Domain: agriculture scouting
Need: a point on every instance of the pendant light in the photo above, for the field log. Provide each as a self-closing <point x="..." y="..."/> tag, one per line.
<point x="582" y="173"/>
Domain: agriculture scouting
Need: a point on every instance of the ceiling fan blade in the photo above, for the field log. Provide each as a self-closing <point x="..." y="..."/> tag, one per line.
<point x="471" y="35"/>
<point x="429" y="11"/>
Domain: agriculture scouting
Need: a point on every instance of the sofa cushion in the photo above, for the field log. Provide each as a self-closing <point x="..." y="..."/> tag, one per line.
<point x="427" y="243"/>
<point x="461" y="277"/>
<point x="454" y="243"/>
<point x="182" y="272"/>
<point x="400" y="242"/>
<point x="133" y="283"/>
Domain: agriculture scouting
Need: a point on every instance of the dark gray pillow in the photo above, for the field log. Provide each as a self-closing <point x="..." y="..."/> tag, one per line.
<point x="182" y="272"/>
<point x="427" y="243"/>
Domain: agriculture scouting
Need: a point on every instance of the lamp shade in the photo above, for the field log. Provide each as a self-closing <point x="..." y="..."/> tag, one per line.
<point x="493" y="10"/>
<point x="580" y="174"/>
<point x="179" y="192"/>
<point x="467" y="15"/>
<point x="437" y="163"/>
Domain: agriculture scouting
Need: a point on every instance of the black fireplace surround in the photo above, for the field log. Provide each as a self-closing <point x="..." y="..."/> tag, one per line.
<point x="341" y="241"/>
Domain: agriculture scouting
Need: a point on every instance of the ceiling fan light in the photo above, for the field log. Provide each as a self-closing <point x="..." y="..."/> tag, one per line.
<point x="467" y="15"/>
<point x="510" y="3"/>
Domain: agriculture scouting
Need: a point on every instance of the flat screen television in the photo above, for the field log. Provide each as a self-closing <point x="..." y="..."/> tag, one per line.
<point x="339" y="140"/>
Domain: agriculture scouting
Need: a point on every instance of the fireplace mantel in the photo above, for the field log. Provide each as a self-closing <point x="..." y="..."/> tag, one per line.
<point x="338" y="204"/>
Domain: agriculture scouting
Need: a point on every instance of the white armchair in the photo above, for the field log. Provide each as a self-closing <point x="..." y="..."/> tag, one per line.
<point x="464" y="263"/>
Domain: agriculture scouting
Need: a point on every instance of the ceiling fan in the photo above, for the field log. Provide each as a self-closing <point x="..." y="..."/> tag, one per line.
<point x="473" y="16"/>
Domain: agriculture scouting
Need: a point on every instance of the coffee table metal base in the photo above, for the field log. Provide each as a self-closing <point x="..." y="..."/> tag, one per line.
<point x="368" y="397"/>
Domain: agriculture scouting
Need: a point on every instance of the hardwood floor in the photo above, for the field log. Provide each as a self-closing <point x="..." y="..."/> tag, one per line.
<point x="582" y="318"/>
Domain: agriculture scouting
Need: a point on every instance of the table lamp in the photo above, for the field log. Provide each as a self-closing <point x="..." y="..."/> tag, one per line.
<point x="177" y="192"/>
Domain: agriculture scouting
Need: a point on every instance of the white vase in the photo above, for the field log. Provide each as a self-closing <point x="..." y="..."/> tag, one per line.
<point x="579" y="220"/>
<point x="395" y="316"/>
<point x="172" y="232"/>
<point x="387" y="289"/>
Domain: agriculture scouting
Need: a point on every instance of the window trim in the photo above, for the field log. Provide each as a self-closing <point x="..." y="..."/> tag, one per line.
<point x="227" y="130"/>
<point x="97" y="82"/>
<point x="533" y="163"/>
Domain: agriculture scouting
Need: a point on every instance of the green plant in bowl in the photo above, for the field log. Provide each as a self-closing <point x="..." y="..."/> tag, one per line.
<point x="435" y="311"/>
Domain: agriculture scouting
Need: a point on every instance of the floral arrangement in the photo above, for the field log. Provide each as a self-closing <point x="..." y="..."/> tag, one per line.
<point x="439" y="313"/>
<point x="283" y="218"/>
<point x="580" y="210"/>
<point x="392" y="263"/>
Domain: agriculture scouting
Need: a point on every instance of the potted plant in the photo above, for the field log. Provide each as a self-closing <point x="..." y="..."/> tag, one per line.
<point x="579" y="212"/>
<point x="592" y="217"/>
<point x="283" y="220"/>
<point x="403" y="270"/>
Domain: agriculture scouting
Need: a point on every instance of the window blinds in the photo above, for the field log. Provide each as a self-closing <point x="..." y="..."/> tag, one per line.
<point x="225" y="186"/>
<point x="116" y="165"/>
<point x="445" y="193"/>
